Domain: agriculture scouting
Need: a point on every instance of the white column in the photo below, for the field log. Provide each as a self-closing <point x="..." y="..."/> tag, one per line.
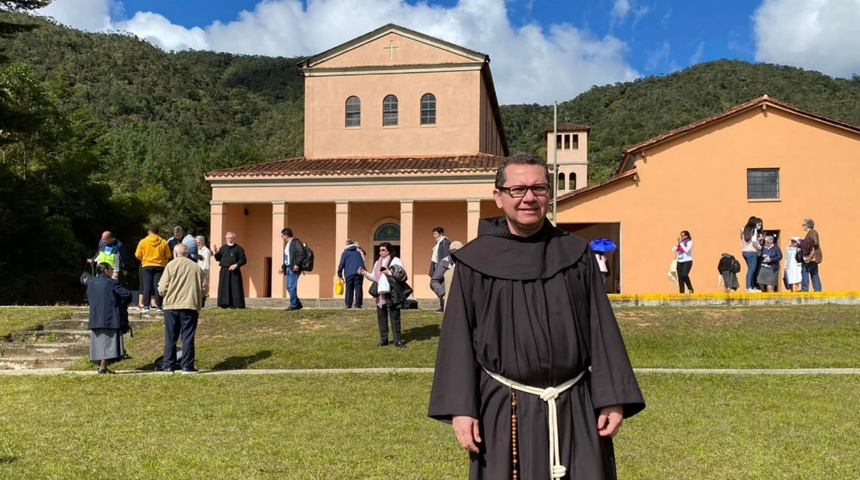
<point x="279" y="221"/>
<point x="407" y="227"/>
<point x="341" y="228"/>
<point x="218" y="227"/>
<point x="473" y="217"/>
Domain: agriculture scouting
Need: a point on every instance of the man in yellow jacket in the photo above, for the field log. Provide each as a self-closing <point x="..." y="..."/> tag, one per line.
<point x="153" y="254"/>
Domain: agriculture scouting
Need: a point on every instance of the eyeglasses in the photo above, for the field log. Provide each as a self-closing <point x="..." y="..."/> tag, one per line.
<point x="383" y="250"/>
<point x="517" y="191"/>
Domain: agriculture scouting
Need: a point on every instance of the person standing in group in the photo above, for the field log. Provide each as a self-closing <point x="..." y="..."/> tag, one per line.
<point x="440" y="281"/>
<point x="768" y="276"/>
<point x="204" y="256"/>
<point x="153" y="253"/>
<point x="108" y="301"/>
<point x="231" y="258"/>
<point x="441" y="249"/>
<point x="294" y="253"/>
<point x="112" y="252"/>
<point x="182" y="288"/>
<point x="684" y="250"/>
<point x="515" y="394"/>
<point x="750" y="248"/>
<point x="178" y="234"/>
<point x="811" y="250"/>
<point x="384" y="310"/>
<point x="449" y="268"/>
<point x="189" y="241"/>
<point x="351" y="262"/>
<point x="604" y="270"/>
<point x="793" y="267"/>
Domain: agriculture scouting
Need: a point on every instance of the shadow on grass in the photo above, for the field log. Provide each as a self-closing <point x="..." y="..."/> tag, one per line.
<point x="238" y="363"/>
<point x="426" y="332"/>
<point x="4" y="459"/>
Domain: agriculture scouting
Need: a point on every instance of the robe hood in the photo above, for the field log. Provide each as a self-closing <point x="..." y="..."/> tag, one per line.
<point x="499" y="253"/>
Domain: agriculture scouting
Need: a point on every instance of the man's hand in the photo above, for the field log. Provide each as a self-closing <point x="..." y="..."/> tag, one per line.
<point x="89" y="260"/>
<point x="610" y="420"/>
<point x="467" y="432"/>
<point x="295" y="268"/>
<point x="281" y="270"/>
<point x="233" y="267"/>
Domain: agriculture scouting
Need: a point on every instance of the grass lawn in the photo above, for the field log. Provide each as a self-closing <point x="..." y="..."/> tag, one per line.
<point x="373" y="426"/>
<point x="17" y="319"/>
<point x="705" y="337"/>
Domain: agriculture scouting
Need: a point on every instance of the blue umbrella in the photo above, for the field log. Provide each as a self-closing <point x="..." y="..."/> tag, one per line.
<point x="602" y="245"/>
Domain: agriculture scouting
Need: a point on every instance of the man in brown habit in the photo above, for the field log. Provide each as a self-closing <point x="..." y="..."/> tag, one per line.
<point x="531" y="369"/>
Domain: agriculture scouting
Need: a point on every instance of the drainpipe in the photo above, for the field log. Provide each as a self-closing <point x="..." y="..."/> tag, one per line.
<point x="554" y="162"/>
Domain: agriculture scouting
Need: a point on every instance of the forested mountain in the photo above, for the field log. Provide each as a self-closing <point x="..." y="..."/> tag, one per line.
<point x="107" y="131"/>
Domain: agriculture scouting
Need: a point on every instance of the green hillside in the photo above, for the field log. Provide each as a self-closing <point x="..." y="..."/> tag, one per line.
<point x="107" y="131"/>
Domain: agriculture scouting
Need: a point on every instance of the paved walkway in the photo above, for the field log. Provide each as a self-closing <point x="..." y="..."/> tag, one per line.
<point x="686" y="371"/>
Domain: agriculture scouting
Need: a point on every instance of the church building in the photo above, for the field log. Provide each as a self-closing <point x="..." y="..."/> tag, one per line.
<point x="403" y="133"/>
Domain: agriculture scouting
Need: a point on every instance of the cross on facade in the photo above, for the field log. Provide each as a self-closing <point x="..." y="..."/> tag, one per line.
<point x="390" y="48"/>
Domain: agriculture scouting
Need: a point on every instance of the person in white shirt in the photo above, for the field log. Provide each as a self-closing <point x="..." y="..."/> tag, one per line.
<point x="601" y="263"/>
<point x="204" y="256"/>
<point x="684" y="249"/>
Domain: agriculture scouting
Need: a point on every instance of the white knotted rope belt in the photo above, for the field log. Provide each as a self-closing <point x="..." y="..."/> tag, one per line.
<point x="548" y="395"/>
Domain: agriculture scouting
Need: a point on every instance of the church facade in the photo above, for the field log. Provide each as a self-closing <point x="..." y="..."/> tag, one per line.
<point x="402" y="134"/>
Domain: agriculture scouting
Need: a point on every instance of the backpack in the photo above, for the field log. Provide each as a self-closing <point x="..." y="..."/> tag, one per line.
<point x="307" y="264"/>
<point x="728" y="263"/>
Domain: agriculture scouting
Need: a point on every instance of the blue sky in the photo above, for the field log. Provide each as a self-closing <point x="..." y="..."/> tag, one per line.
<point x="541" y="50"/>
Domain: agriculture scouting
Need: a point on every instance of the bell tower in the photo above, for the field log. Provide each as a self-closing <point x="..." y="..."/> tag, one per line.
<point x="571" y="148"/>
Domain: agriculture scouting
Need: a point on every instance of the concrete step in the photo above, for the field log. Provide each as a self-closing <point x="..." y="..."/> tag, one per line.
<point x="50" y="336"/>
<point x="27" y="363"/>
<point x="80" y="324"/>
<point x="55" y="349"/>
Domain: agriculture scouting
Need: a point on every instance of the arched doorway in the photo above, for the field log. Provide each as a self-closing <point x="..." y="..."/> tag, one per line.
<point x="385" y="230"/>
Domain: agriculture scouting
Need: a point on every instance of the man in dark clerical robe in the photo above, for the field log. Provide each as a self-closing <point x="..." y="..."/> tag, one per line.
<point x="231" y="258"/>
<point x="528" y="331"/>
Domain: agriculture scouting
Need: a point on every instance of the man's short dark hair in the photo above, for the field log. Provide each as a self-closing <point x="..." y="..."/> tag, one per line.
<point x="521" y="158"/>
<point x="154" y="229"/>
<point x="439" y="230"/>
<point x="287" y="231"/>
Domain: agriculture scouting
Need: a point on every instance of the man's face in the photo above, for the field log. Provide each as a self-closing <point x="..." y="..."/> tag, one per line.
<point x="230" y="239"/>
<point x="107" y="239"/>
<point x="435" y="235"/>
<point x="178" y="234"/>
<point x="525" y="214"/>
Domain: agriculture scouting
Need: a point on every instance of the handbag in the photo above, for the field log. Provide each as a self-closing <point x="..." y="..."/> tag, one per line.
<point x="673" y="271"/>
<point x="338" y="286"/>
<point x="382" y="285"/>
<point x="373" y="290"/>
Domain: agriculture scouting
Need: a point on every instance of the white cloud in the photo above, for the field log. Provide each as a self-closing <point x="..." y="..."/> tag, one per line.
<point x="530" y="64"/>
<point x="658" y="57"/>
<point x="621" y="9"/>
<point x="812" y="34"/>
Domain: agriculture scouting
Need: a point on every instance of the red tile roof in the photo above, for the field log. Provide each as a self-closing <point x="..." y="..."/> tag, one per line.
<point x="757" y="102"/>
<point x="303" y="167"/>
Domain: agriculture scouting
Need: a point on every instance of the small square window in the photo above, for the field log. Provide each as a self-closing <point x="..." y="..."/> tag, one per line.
<point x="762" y="183"/>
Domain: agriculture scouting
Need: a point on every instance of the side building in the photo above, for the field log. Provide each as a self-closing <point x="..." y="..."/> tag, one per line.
<point x="764" y="158"/>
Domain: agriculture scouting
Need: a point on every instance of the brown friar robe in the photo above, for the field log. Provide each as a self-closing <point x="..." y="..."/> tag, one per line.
<point x="535" y="311"/>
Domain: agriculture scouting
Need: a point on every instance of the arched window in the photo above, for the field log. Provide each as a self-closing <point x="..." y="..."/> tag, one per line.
<point x="389" y="111"/>
<point x="353" y="112"/>
<point x="560" y="182"/>
<point x="428" y="109"/>
<point x="572" y="181"/>
<point x="387" y="232"/>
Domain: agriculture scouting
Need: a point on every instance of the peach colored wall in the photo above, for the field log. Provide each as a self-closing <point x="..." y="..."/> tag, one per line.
<point x="449" y="215"/>
<point x="457" y="112"/>
<point x="488" y="128"/>
<point x="407" y="52"/>
<point x="570" y="161"/>
<point x="698" y="182"/>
